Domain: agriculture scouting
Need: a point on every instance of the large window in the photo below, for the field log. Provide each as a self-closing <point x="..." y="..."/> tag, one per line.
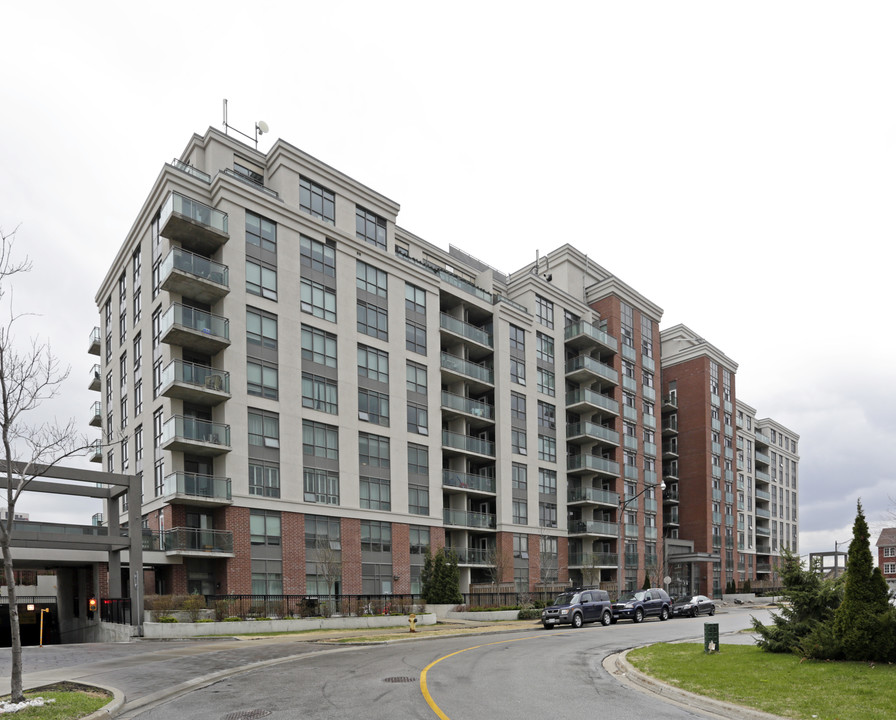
<point x="321" y="486"/>
<point x="544" y="311"/>
<point x="317" y="200"/>
<point x="546" y="381"/>
<point x="414" y="298"/>
<point x="517" y="406"/>
<point x="264" y="527"/>
<point x="261" y="280"/>
<point x="547" y="448"/>
<point x="544" y="347"/>
<point x="373" y="406"/>
<point x="375" y="493"/>
<point x="547" y="514"/>
<point x="517" y="371"/>
<point x="319" y="393"/>
<point x="317" y="255"/>
<point x="518" y="442"/>
<point x="373" y="450"/>
<point x="370" y="227"/>
<point x="318" y="300"/>
<point x="320" y="440"/>
<point x="371" y="279"/>
<point x="546" y="415"/>
<point x="416" y="377"/>
<point x="262" y="379"/>
<point x="520" y="512"/>
<point x="373" y="363"/>
<point x="418" y="501"/>
<point x="264" y="429"/>
<point x="261" y="232"/>
<point x="376" y="536"/>
<point x="547" y="481"/>
<point x="518" y="476"/>
<point x="318" y="346"/>
<point x="418" y="419"/>
<point x="373" y="320"/>
<point x="517" y="338"/>
<point x="418" y="459"/>
<point x="261" y="328"/>
<point x="264" y="479"/>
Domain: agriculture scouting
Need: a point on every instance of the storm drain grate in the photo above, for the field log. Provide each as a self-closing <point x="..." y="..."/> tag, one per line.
<point x="400" y="679"/>
<point x="247" y="714"/>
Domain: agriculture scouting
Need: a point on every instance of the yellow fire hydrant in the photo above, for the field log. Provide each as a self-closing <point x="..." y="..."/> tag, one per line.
<point x="412" y="619"/>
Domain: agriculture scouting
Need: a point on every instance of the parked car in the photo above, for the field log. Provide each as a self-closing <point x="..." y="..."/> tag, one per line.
<point x="578" y="606"/>
<point x="641" y="604"/>
<point x="693" y="605"/>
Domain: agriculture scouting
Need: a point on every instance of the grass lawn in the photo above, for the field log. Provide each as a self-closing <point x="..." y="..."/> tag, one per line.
<point x="776" y="683"/>
<point x="72" y="701"/>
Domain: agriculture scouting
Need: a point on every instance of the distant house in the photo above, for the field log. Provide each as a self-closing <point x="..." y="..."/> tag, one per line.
<point x="886" y="555"/>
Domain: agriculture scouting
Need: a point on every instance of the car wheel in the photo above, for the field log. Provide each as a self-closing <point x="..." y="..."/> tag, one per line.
<point x="694" y="612"/>
<point x="545" y="626"/>
<point x="712" y="611"/>
<point x="664" y="613"/>
<point x="577" y="620"/>
<point x="606" y="618"/>
<point x="639" y="615"/>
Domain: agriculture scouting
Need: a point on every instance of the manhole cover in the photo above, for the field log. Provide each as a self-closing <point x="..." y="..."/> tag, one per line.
<point x="247" y="714"/>
<point x="400" y="679"/>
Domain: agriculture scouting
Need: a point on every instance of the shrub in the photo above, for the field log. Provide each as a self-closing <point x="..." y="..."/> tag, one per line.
<point x="166" y="619"/>
<point x="531" y="613"/>
<point x="232" y="618"/>
<point x="192" y="605"/>
<point x="160" y="605"/>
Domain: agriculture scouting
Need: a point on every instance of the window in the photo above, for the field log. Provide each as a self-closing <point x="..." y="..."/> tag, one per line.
<point x="547" y="514"/>
<point x="320" y="440"/>
<point x="416" y="377"/>
<point x="375" y="493"/>
<point x="157" y="428"/>
<point x="373" y="363"/>
<point x="262" y="379"/>
<point x="373" y="406"/>
<point x="646" y="336"/>
<point x="520" y="512"/>
<point x="318" y="346"/>
<point x="547" y="448"/>
<point x="518" y="476"/>
<point x="370" y="227"/>
<point x="319" y="393"/>
<point x="264" y="429"/>
<point x="317" y="200"/>
<point x="373" y="450"/>
<point x="889" y="568"/>
<point x="418" y="502"/>
<point x="372" y="320"/>
<point x="418" y="459"/>
<point x="156" y="278"/>
<point x="156" y="328"/>
<point x="627" y="324"/>
<point x="261" y="328"/>
<point x="547" y="481"/>
<point x="264" y="527"/>
<point x="371" y="279"/>
<point x="264" y="479"/>
<point x="124" y="455"/>
<point x="156" y="378"/>
<point x="544" y="311"/>
<point x="517" y="406"/>
<point x="318" y="300"/>
<point x="261" y="232"/>
<point x="544" y="347"/>
<point x="321" y="486"/>
<point x="517" y="338"/>
<point x="138" y="353"/>
<point x="158" y="475"/>
<point x="248" y="173"/>
<point x="414" y="298"/>
<point x="317" y="255"/>
<point x="376" y="536"/>
<point x="546" y="380"/>
<point x="261" y="280"/>
<point x="138" y="446"/>
<point x="138" y="305"/>
<point x="546" y="415"/>
<point x="267" y="577"/>
<point x="136" y="265"/>
<point x="518" y="441"/>
<point x="647" y="378"/>
<point x="138" y="397"/>
<point x="517" y="371"/>
<point x="415" y="337"/>
<point x="418" y="419"/>
<point x="521" y="547"/>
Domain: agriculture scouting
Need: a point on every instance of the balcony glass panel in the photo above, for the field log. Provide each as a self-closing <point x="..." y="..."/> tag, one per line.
<point x="201" y="267"/>
<point x="468" y="405"/>
<point x="190" y="170"/>
<point x="467" y="481"/>
<point x="196" y="211"/>
<point x="650" y="533"/>
<point x="592" y="430"/>
<point x="194" y="319"/>
<point x="465" y="367"/>
<point x="468" y="519"/>
<point x="589" y="396"/>
<point x="589" y="330"/>
<point x="464" y="285"/>
<point x="592" y="462"/>
<point x="191" y="428"/>
<point x="197" y="539"/>
<point x="194" y="484"/>
<point x="594" y="527"/>
<point x="464" y="329"/>
<point x="469" y="443"/>
<point x="586" y="362"/>
<point x="198" y="375"/>
<point x="593" y="559"/>
<point x="595" y="495"/>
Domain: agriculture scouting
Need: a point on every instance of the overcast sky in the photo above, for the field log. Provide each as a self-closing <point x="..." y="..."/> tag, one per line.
<point x="734" y="162"/>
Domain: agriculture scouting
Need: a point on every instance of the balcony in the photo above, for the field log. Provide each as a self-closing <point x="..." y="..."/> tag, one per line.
<point x="670" y="401"/>
<point x="468" y="371"/>
<point x="193" y="276"/>
<point x="465" y="285"/>
<point x="594" y="527"/>
<point x="95" y="452"/>
<point x="197" y="542"/>
<point x="591" y="432"/>
<point x="462" y="518"/>
<point x="762" y="439"/>
<point x="585" y="336"/>
<point x="763" y="495"/>
<point x="670" y="470"/>
<point x="96" y="415"/>
<point x="192" y="171"/>
<point x="472" y="556"/>
<point x="195" y="436"/>
<point x="762" y="458"/>
<point x="586" y="462"/>
<point x="593" y="560"/>
<point x="670" y="496"/>
<point x="763" y="532"/>
<point x="762" y="513"/>
<point x="252" y="183"/>
<point x="670" y="516"/>
<point x="468" y="482"/>
<point x="95" y="342"/>
<point x="466" y="330"/>
<point x="95" y="382"/>
<point x="670" y="425"/>
<point x="196" y="384"/>
<point x="467" y="406"/>
<point x="196" y="226"/>
<point x="585" y="400"/>
<point x="467" y="443"/>
<point x="670" y="449"/>
<point x="762" y="476"/>
<point x="194" y="489"/>
<point x="197" y="330"/>
<point x="592" y="496"/>
<point x="630" y="442"/>
<point x="585" y="369"/>
<point x="650" y="505"/>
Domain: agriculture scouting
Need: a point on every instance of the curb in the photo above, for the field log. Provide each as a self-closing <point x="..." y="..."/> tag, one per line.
<point x="620" y="668"/>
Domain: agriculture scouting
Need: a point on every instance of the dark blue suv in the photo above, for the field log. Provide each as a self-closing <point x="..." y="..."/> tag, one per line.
<point x="643" y="603"/>
<point x="578" y="606"/>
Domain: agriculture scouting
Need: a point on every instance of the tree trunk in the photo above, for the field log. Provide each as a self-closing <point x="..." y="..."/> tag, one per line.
<point x="15" y="679"/>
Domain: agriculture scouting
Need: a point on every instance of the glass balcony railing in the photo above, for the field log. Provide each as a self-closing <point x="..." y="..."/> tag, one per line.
<point x="466" y="481"/>
<point x="468" y="443"/>
<point x="592" y="430"/>
<point x="463" y="518"/>
<point x="194" y="319"/>
<point x="190" y="170"/>
<point x="592" y="365"/>
<point x="578" y="559"/>
<point x="193" y="429"/>
<point x="196" y="265"/>
<point x="593" y="495"/>
<point x="96" y="415"/>
<point x="95" y="381"/>
<point x="761" y="457"/>
<point x="95" y="452"/>
<point x="194" y="211"/>
<point x="200" y="376"/>
<point x="471" y="556"/>
<point x="465" y="329"/>
<point x="468" y="405"/>
<point x="196" y="485"/>
<point x="584" y="395"/>
<point x="95" y="341"/>
<point x="763" y="513"/>
<point x="650" y="533"/>
<point x="588" y="330"/>
<point x="763" y="495"/>
<point x="464" y="285"/>
<point x="594" y="463"/>
<point x="650" y="505"/>
<point x="465" y="367"/>
<point x="594" y="527"/>
<point x="198" y="540"/>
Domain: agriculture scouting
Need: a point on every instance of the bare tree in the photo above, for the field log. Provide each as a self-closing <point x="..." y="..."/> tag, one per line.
<point x="548" y="559"/>
<point x="497" y="562"/>
<point x="27" y="379"/>
<point x="328" y="562"/>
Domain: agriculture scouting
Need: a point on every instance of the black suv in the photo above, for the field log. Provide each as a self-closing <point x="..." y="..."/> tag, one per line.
<point x="578" y="606"/>
<point x="643" y="603"/>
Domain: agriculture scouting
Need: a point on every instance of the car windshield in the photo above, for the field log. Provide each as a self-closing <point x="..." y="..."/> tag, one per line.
<point x="633" y="596"/>
<point x="683" y="600"/>
<point x="566" y="599"/>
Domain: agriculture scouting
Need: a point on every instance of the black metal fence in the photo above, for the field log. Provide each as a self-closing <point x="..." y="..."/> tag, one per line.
<point x="115" y="610"/>
<point x="280" y="606"/>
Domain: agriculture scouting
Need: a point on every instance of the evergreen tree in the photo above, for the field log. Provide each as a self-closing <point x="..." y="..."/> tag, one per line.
<point x="441" y="578"/>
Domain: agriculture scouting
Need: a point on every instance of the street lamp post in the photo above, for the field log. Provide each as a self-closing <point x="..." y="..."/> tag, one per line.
<point x="623" y="504"/>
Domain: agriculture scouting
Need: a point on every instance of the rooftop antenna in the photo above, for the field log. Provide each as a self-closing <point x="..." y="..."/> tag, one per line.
<point x="261" y="127"/>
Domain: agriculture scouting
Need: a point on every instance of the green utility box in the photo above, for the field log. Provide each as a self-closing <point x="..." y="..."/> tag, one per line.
<point x="710" y="637"/>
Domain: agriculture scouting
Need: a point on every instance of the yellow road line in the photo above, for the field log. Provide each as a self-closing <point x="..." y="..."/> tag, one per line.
<point x="425" y="690"/>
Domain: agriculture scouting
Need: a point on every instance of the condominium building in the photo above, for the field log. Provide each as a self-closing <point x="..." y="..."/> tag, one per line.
<point x="314" y="396"/>
<point x="735" y="477"/>
<point x="886" y="556"/>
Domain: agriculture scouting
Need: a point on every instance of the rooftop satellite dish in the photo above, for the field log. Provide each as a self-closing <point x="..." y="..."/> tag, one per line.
<point x="262" y="127"/>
